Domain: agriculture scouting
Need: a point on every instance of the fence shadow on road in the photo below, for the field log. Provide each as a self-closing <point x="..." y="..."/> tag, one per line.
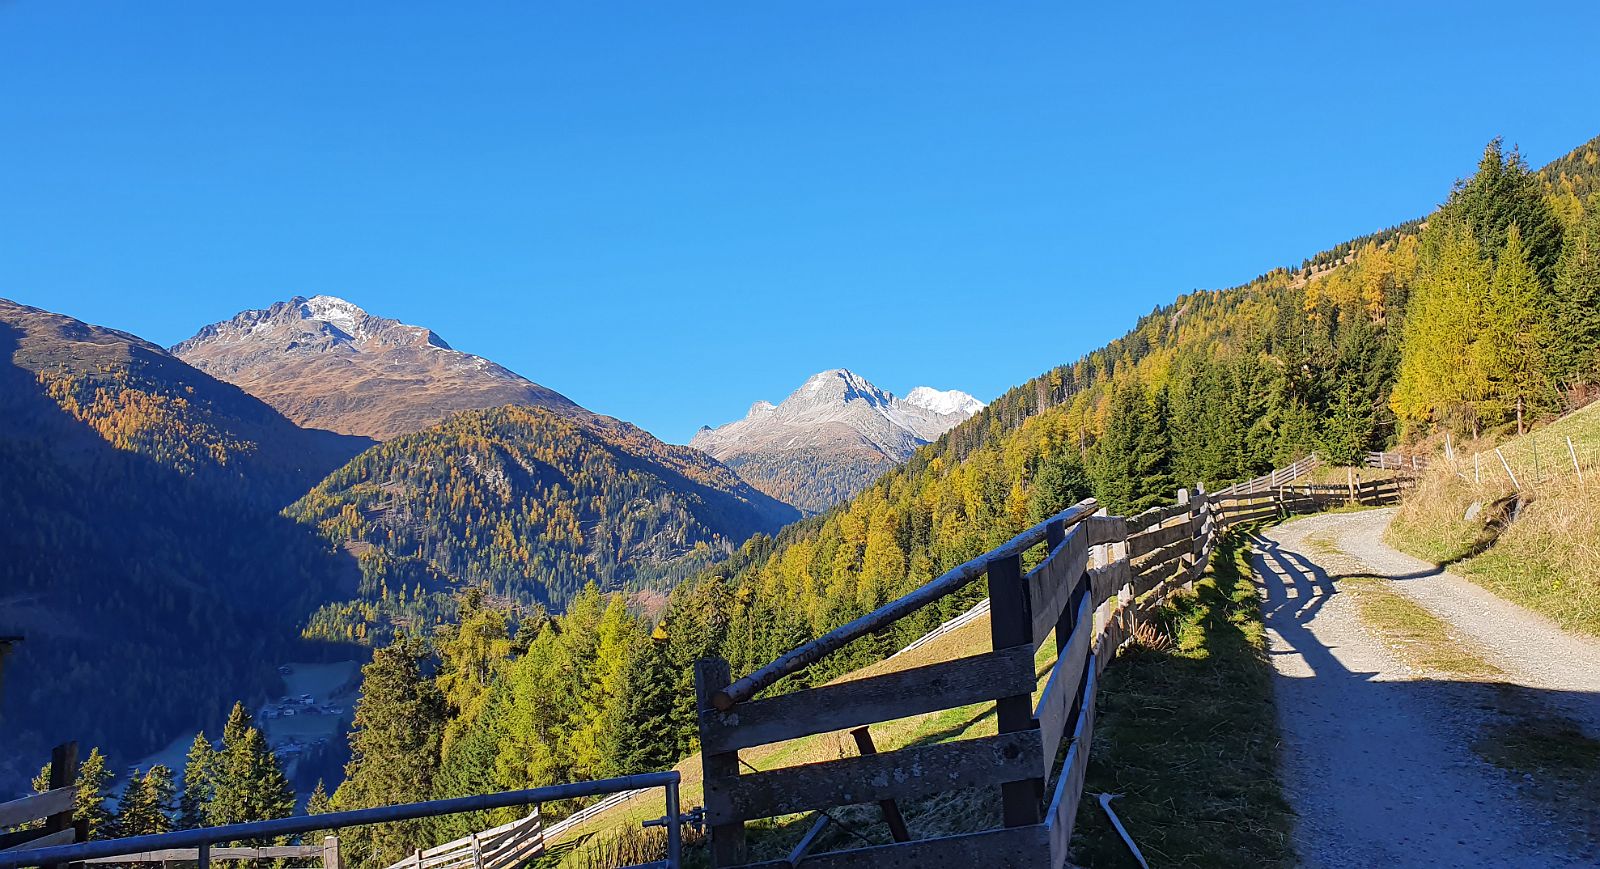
<point x="1376" y="754"/>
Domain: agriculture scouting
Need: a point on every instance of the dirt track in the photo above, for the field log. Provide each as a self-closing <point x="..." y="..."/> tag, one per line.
<point x="1379" y="762"/>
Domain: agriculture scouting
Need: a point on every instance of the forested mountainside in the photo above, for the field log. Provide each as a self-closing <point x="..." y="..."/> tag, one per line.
<point x="529" y="505"/>
<point x="326" y="363"/>
<point x="1215" y="387"/>
<point x="145" y="560"/>
<point x="831" y="437"/>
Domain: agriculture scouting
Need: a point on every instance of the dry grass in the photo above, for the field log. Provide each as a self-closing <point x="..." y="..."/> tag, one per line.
<point x="1548" y="559"/>
<point x="1423" y="641"/>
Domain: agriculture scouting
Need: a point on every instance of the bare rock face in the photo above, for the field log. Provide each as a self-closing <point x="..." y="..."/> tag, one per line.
<point x="832" y="436"/>
<point x="326" y="363"/>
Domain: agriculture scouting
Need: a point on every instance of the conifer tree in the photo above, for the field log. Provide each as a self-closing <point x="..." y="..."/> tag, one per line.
<point x="1506" y="193"/>
<point x="146" y="805"/>
<point x="394" y="749"/>
<point x="1518" y="336"/>
<point x="89" y="802"/>
<point x="1442" y="376"/>
<point x="646" y="741"/>
<point x="248" y="783"/>
<point x="199" y="783"/>
<point x="1060" y="482"/>
<point x="1575" y="359"/>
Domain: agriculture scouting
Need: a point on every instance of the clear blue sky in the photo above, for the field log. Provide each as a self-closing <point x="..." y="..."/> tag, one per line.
<point x="669" y="210"/>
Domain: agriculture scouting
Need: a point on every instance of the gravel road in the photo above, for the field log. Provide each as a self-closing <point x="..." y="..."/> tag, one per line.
<point x="1378" y="758"/>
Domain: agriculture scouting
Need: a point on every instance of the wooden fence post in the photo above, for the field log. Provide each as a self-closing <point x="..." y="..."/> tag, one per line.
<point x="891" y="809"/>
<point x="1011" y="624"/>
<point x="64" y="774"/>
<point x="330" y="853"/>
<point x="727" y="840"/>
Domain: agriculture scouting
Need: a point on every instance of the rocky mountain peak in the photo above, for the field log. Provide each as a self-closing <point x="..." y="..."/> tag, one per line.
<point x="326" y="362"/>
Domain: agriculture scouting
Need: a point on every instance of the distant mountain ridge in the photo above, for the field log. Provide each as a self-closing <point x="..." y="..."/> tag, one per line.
<point x="326" y="363"/>
<point x="831" y="437"/>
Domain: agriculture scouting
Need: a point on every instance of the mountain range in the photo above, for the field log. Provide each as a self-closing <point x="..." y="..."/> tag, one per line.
<point x="832" y="436"/>
<point x="171" y="533"/>
<point x="326" y="363"/>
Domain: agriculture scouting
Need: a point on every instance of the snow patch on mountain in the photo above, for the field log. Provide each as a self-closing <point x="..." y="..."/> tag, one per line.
<point x="836" y="419"/>
<point x="948" y="401"/>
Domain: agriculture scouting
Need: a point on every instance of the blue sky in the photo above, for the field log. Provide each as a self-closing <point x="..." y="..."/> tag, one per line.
<point x="669" y="210"/>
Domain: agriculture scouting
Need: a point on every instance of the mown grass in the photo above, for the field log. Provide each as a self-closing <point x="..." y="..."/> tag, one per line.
<point x="1189" y="737"/>
<point x="1420" y="639"/>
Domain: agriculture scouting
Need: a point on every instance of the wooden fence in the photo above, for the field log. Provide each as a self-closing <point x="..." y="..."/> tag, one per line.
<point x="1390" y="461"/>
<point x="327" y="852"/>
<point x="504" y="847"/>
<point x="1099" y="576"/>
<point x="54" y="807"/>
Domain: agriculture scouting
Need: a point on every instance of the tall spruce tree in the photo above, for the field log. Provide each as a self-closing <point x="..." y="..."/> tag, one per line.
<point x="146" y="807"/>
<point x="1575" y="360"/>
<point x="1506" y="193"/>
<point x="394" y="749"/>
<point x="199" y="783"/>
<point x="248" y="783"/>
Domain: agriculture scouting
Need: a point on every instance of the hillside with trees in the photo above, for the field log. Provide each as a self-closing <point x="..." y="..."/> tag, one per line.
<point x="1217" y="387"/>
<point x="146" y="564"/>
<point x="529" y="505"/>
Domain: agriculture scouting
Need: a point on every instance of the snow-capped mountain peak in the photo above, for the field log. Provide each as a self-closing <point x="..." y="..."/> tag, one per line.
<point x="837" y="430"/>
<point x="947" y="401"/>
<point x="326" y="362"/>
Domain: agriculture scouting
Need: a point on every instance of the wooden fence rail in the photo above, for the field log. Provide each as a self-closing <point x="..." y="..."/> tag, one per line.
<point x="54" y="808"/>
<point x="1099" y="575"/>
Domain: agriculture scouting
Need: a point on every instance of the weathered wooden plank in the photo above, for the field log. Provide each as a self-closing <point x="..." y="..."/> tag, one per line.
<point x="1050" y="585"/>
<point x="885" y="697"/>
<point x="59" y="837"/>
<point x="1011" y="624"/>
<point x="1106" y="529"/>
<point x="1155" y="557"/>
<point x="909" y="772"/>
<point x="719" y="769"/>
<point x="36" y="807"/>
<point x="1005" y="848"/>
<point x="951" y="580"/>
<point x="1107" y="580"/>
<point x="1146" y="580"/>
<point x="1063" y="810"/>
<point x="1055" y="704"/>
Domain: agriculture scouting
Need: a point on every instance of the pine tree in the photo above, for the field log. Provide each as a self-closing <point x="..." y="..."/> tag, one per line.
<point x="646" y="740"/>
<point x="1060" y="482"/>
<point x="319" y="803"/>
<point x="146" y="805"/>
<point x="394" y="749"/>
<point x="249" y="784"/>
<point x="89" y="802"/>
<point x="1506" y="193"/>
<point x="1575" y="359"/>
<point x="199" y="783"/>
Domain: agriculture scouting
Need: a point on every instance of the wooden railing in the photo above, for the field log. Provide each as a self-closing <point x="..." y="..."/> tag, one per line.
<point x="514" y="841"/>
<point x="54" y="807"/>
<point x="1391" y="461"/>
<point x="1099" y="576"/>
<point x="327" y="852"/>
<point x="504" y="847"/>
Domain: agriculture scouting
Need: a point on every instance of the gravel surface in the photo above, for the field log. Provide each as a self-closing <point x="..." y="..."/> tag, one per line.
<point x="1378" y="763"/>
